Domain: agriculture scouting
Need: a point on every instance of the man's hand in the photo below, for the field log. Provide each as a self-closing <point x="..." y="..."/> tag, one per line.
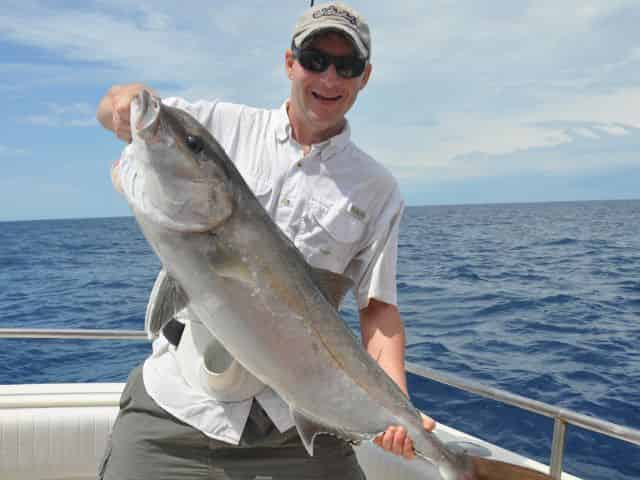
<point x="396" y="440"/>
<point x="114" y="110"/>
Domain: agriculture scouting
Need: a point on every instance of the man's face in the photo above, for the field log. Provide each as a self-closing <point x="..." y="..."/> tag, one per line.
<point x="321" y="99"/>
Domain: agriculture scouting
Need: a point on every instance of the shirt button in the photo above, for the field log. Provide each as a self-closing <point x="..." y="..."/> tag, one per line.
<point x="300" y="164"/>
<point x="285" y="202"/>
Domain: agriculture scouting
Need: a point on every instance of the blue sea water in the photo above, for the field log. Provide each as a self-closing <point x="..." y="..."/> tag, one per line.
<point x="542" y="300"/>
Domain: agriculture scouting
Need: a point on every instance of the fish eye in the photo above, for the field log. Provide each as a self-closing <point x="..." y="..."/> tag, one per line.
<point x="195" y="143"/>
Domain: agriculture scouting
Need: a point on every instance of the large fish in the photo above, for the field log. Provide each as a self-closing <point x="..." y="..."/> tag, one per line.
<point x="246" y="281"/>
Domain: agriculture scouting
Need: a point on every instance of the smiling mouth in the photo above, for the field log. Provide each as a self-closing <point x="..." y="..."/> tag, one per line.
<point x="326" y="99"/>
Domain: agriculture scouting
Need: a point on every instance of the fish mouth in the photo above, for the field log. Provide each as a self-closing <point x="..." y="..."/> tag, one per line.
<point x="145" y="114"/>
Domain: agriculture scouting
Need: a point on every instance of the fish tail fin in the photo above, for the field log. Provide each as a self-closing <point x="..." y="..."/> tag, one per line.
<point x="459" y="465"/>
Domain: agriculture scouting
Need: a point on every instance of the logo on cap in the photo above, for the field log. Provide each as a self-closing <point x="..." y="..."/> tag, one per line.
<point x="333" y="11"/>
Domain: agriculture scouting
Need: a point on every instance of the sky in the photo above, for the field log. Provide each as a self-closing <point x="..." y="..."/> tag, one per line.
<point x="469" y="101"/>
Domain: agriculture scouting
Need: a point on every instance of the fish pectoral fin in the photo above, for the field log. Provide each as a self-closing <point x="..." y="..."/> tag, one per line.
<point x="308" y="429"/>
<point x="234" y="270"/>
<point x="166" y="299"/>
<point x="334" y="285"/>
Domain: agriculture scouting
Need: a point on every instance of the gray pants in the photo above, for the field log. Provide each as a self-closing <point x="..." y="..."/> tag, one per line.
<point x="147" y="443"/>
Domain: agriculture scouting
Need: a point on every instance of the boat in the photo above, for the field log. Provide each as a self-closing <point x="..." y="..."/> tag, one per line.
<point x="59" y="431"/>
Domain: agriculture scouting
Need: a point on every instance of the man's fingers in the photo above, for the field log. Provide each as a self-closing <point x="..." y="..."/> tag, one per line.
<point x="121" y="107"/>
<point x="121" y="126"/>
<point x="397" y="443"/>
<point x="387" y="438"/>
<point x="402" y="444"/>
<point x="123" y="113"/>
<point x="407" y="448"/>
<point x="396" y="440"/>
<point x="123" y="134"/>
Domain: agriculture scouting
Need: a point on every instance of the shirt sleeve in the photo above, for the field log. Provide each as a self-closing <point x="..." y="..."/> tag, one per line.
<point x="204" y="111"/>
<point x="374" y="267"/>
<point x="220" y="118"/>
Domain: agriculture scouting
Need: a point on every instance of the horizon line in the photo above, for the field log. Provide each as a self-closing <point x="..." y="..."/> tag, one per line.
<point x="470" y="204"/>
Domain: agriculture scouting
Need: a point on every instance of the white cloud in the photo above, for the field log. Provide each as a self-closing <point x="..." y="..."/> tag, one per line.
<point x="586" y="132"/>
<point x="18" y="80"/>
<point x="6" y="151"/>
<point x="41" y="120"/>
<point x="498" y="81"/>
<point x="200" y="49"/>
<point x="77" y="114"/>
<point x="616" y="130"/>
<point x="470" y="144"/>
<point x="458" y="88"/>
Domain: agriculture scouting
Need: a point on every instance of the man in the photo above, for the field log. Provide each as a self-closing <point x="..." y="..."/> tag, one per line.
<point x="339" y="207"/>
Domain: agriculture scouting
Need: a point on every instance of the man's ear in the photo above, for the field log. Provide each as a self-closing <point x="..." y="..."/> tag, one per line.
<point x="365" y="76"/>
<point x="289" y="60"/>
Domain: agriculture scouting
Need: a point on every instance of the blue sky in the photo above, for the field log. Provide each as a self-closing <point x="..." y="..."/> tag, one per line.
<point x="469" y="101"/>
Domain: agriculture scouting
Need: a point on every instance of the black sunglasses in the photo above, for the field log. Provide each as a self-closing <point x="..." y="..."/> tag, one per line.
<point x="348" y="66"/>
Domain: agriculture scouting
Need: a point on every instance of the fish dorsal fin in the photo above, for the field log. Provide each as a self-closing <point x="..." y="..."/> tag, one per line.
<point x="334" y="285"/>
<point x="166" y="299"/>
<point x="308" y="429"/>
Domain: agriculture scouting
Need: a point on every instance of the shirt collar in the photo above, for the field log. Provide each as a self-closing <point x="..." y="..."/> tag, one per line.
<point x="283" y="126"/>
<point x="327" y="148"/>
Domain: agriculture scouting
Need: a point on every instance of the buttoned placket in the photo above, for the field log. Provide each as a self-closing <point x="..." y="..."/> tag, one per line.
<point x="285" y="209"/>
<point x="289" y="187"/>
<point x="294" y="182"/>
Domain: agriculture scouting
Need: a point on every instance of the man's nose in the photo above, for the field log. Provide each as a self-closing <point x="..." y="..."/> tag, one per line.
<point x="330" y="75"/>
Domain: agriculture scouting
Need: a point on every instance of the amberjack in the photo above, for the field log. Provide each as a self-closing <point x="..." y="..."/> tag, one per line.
<point x="247" y="282"/>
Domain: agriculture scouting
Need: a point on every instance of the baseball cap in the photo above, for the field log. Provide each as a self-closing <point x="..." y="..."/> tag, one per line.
<point x="336" y="17"/>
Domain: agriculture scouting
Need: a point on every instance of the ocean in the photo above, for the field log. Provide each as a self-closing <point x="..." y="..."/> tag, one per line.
<point x="541" y="300"/>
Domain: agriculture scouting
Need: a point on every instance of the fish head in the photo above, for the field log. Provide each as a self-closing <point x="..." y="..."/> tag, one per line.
<point x="177" y="176"/>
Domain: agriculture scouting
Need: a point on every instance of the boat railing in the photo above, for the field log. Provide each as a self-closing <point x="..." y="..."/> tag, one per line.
<point x="562" y="417"/>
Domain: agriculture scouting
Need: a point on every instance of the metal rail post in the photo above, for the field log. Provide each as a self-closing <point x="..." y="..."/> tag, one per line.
<point x="557" y="447"/>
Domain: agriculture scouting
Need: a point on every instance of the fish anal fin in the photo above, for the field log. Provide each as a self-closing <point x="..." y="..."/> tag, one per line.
<point x="333" y="285"/>
<point x="309" y="429"/>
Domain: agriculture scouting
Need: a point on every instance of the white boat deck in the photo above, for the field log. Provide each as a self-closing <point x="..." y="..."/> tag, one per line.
<point x="59" y="432"/>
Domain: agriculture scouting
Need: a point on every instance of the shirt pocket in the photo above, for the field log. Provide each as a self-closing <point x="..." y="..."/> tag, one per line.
<point x="329" y="235"/>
